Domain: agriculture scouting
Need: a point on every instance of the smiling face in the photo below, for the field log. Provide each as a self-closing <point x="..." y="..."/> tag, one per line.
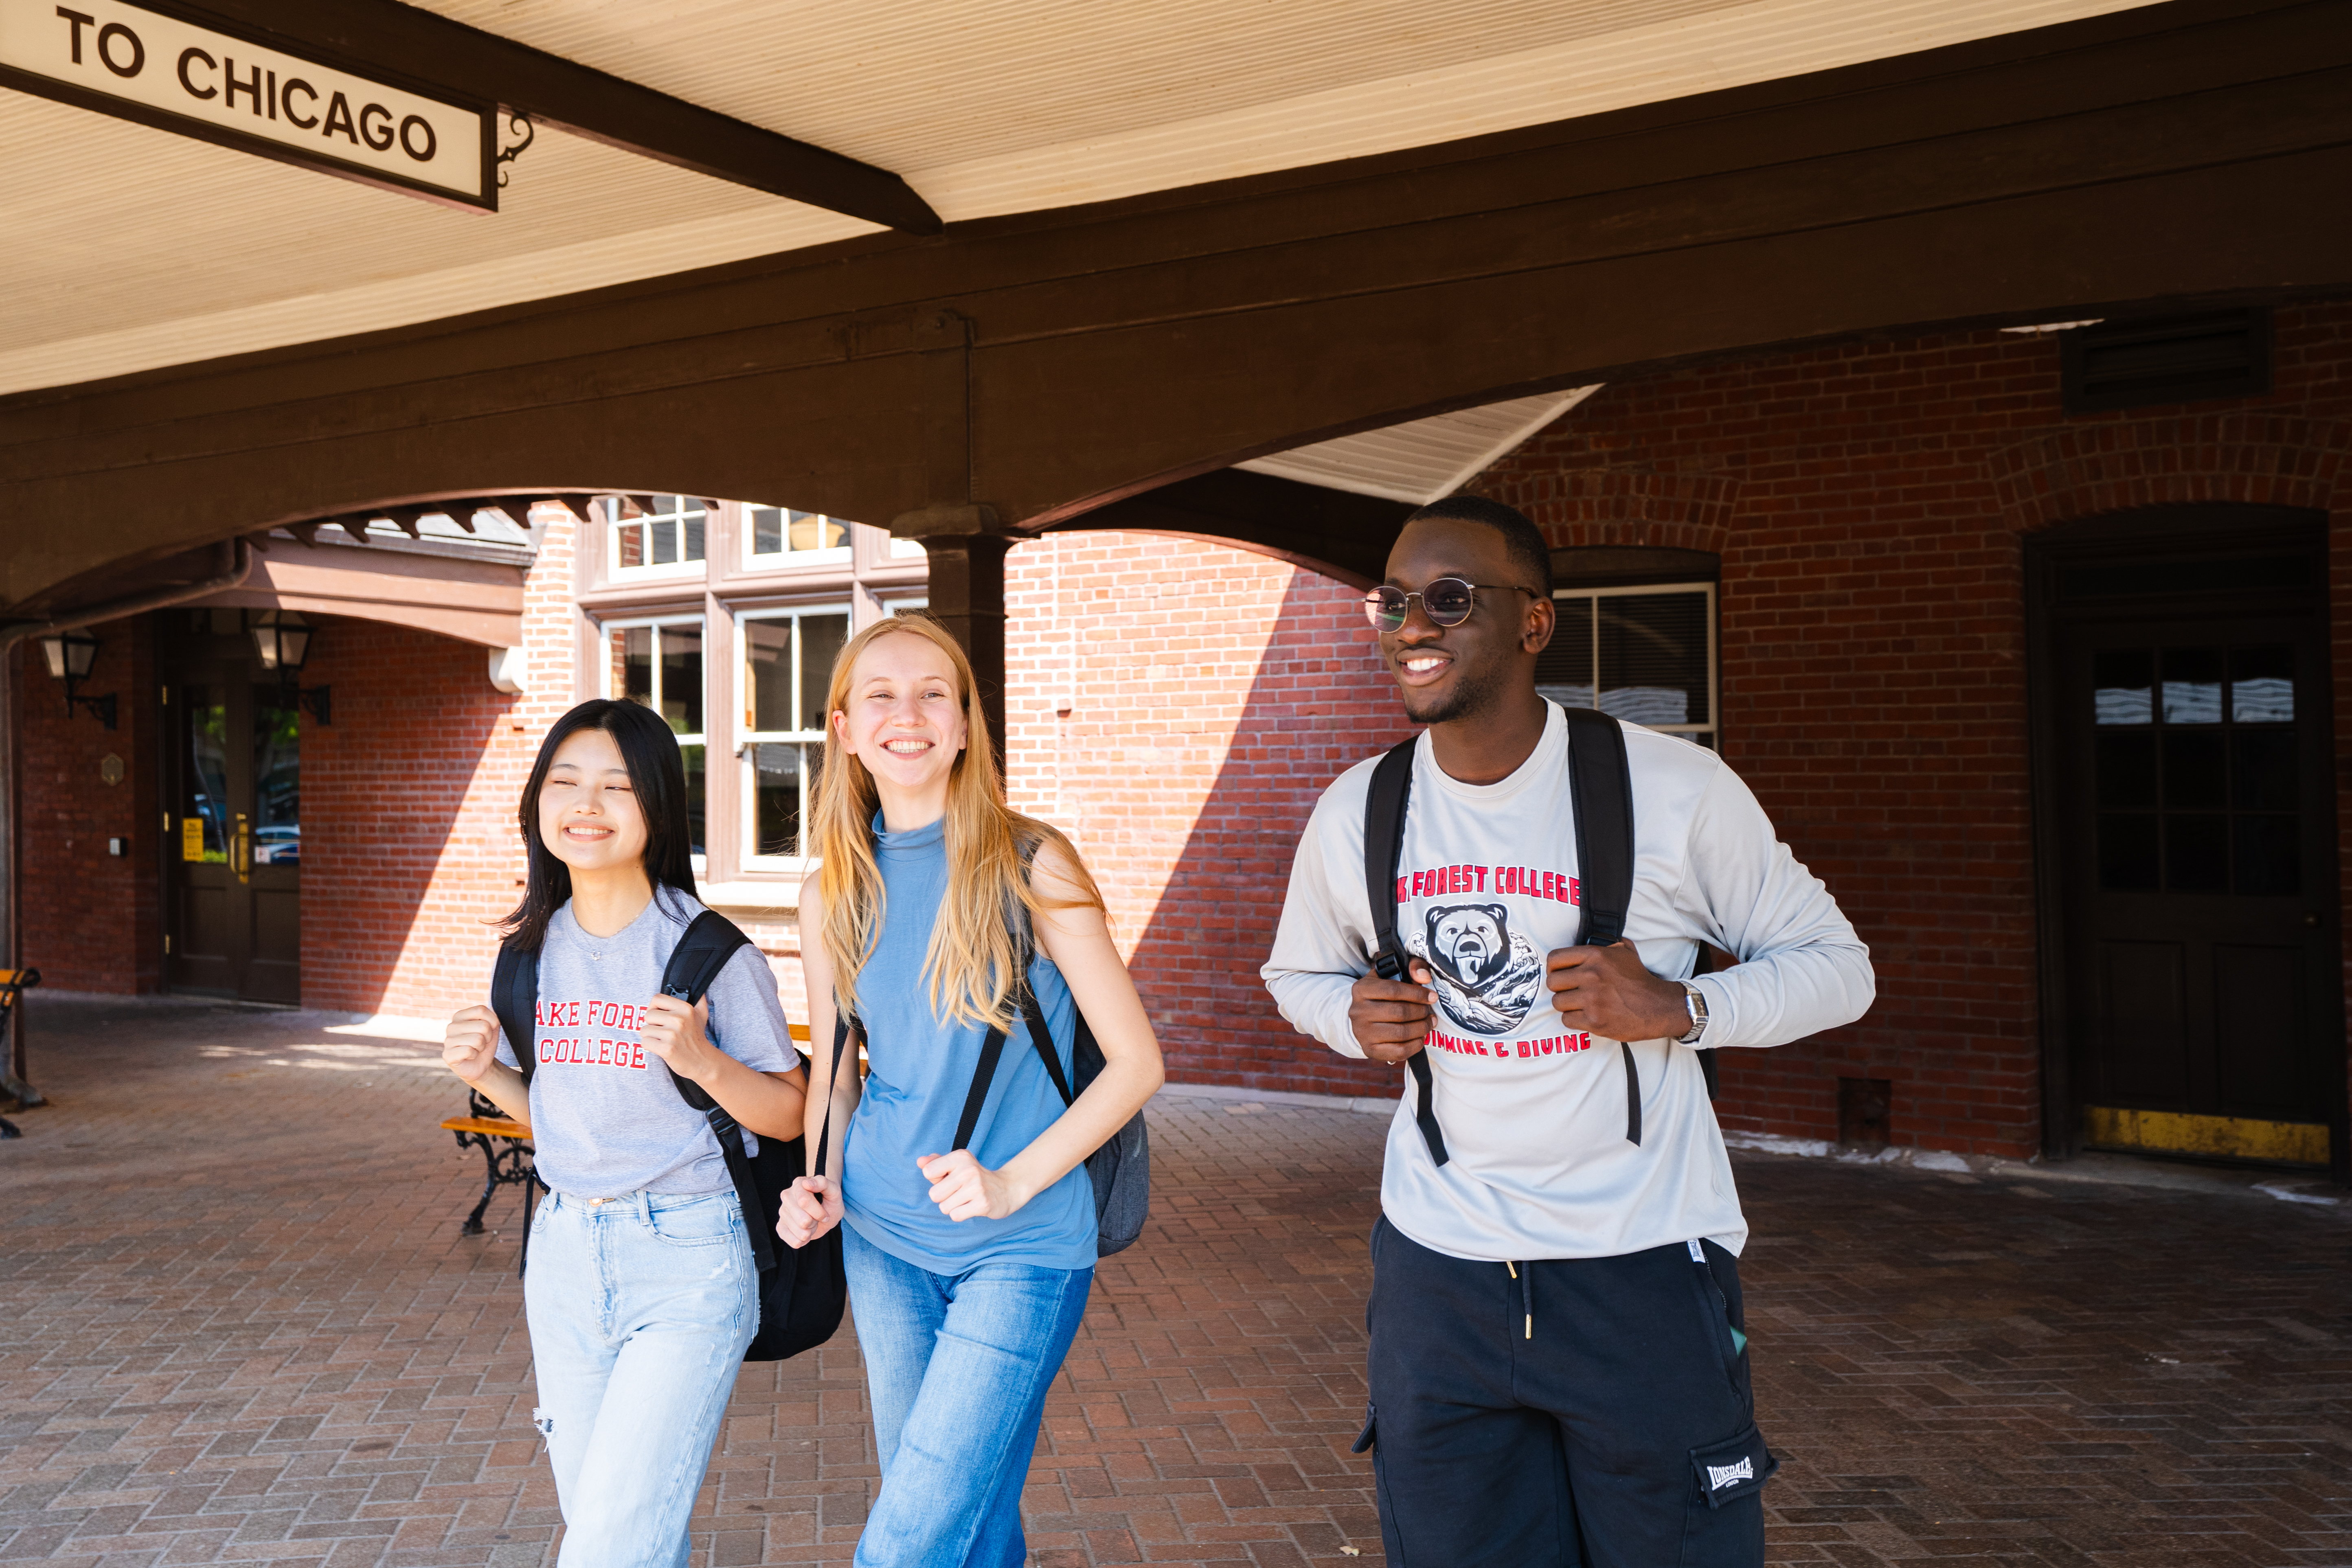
<point x="903" y="717"/>
<point x="1449" y="673"/>
<point x="588" y="812"/>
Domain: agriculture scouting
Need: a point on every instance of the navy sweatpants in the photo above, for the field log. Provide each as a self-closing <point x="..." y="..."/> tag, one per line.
<point x="1567" y="1413"/>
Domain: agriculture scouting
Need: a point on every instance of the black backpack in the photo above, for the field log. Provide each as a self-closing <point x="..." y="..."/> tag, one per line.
<point x="1601" y="792"/>
<point x="1120" y="1171"/>
<point x="801" y="1293"/>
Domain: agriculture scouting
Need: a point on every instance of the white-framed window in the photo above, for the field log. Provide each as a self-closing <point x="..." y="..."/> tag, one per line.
<point x="666" y="541"/>
<point x="781" y="536"/>
<point x="906" y="549"/>
<point x="906" y="606"/>
<point x="1645" y="653"/>
<point x="658" y="662"/>
<point x="788" y="656"/>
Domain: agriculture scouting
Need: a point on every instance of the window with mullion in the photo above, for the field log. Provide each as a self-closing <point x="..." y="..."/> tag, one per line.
<point x="1643" y="654"/>
<point x="788" y="659"/>
<point x="666" y="540"/>
<point x="658" y="663"/>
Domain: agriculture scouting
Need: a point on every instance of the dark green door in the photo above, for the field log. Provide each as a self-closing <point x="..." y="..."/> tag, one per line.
<point x="2192" y="793"/>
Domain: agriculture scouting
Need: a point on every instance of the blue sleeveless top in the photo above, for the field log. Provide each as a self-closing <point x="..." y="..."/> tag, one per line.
<point x="919" y="1071"/>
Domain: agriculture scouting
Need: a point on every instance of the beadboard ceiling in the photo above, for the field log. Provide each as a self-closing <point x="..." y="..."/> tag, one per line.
<point x="129" y="248"/>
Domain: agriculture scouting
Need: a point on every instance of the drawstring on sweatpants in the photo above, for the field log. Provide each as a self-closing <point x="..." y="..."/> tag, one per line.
<point x="1526" y="1294"/>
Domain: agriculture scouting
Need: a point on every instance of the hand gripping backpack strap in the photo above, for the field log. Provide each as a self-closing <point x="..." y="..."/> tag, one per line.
<point x="694" y="963"/>
<point x="1600" y="783"/>
<point x="1384" y="809"/>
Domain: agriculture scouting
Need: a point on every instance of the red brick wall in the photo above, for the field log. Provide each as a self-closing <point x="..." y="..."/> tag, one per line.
<point x="1868" y="500"/>
<point x="1177" y="708"/>
<point x="410" y="850"/>
<point x="90" y="918"/>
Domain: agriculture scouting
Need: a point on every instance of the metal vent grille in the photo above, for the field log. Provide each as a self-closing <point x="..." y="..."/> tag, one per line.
<point x="2186" y="359"/>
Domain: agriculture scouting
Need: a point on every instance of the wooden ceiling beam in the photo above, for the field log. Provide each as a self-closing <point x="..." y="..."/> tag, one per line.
<point x="555" y="91"/>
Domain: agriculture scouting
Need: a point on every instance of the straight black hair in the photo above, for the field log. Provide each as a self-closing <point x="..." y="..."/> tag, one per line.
<point x="658" y="777"/>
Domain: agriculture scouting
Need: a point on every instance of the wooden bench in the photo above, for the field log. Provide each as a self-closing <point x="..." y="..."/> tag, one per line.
<point x="505" y="1143"/>
<point x="13" y="983"/>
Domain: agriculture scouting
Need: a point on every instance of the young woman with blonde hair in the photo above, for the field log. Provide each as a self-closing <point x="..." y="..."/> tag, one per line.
<point x="968" y="1268"/>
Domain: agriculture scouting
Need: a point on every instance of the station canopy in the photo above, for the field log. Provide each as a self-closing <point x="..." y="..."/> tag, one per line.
<point x="131" y="249"/>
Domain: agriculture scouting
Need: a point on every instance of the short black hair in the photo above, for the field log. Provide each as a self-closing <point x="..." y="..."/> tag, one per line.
<point x="1529" y="551"/>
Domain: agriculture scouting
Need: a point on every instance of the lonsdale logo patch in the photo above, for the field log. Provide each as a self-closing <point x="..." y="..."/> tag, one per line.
<point x="1721" y="1476"/>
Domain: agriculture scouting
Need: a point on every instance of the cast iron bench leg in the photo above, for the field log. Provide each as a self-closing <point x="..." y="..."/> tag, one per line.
<point x="490" y="1186"/>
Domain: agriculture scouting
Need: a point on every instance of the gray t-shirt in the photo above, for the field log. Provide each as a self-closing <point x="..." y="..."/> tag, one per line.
<point x="605" y="1115"/>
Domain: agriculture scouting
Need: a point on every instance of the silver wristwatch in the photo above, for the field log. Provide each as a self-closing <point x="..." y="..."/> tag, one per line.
<point x="1695" y="1000"/>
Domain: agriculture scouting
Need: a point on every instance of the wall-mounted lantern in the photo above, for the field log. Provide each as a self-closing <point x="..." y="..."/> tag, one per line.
<point x="70" y="655"/>
<point x="282" y="637"/>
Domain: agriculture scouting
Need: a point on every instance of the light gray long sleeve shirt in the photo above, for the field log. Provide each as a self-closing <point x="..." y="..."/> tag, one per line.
<point x="1534" y="1113"/>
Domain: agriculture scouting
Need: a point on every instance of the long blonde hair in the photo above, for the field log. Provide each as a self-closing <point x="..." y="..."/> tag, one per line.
<point x="972" y="962"/>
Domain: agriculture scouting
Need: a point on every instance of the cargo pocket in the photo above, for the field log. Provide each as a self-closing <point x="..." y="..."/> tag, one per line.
<point x="1729" y="1471"/>
<point x="1364" y="1439"/>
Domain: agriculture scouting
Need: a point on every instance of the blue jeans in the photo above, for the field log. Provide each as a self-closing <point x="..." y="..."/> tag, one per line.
<point x="957" y="1366"/>
<point x="640" y="1308"/>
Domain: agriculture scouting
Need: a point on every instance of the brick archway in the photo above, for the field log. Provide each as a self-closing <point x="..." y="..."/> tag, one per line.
<point x="1623" y="507"/>
<point x="2261" y="459"/>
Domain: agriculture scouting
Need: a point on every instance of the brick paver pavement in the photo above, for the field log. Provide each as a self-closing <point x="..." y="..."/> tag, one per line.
<point x="237" y="1323"/>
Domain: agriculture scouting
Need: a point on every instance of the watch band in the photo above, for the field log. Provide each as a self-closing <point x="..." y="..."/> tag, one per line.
<point x="1694" y="1000"/>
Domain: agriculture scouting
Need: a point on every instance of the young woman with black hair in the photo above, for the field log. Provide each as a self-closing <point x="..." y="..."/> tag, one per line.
<point x="968" y="1268"/>
<point x="641" y="1293"/>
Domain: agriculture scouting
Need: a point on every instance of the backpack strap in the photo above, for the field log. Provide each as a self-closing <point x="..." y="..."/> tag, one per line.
<point x="1384" y="809"/>
<point x="991" y="1049"/>
<point x="694" y="963"/>
<point x="1600" y="783"/>
<point x="514" y="997"/>
<point x="842" y="1023"/>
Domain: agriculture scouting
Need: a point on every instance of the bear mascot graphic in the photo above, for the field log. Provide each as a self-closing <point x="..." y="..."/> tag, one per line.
<point x="1487" y="975"/>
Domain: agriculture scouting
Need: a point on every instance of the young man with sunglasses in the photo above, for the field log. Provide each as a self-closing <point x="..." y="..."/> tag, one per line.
<point x="1558" y="1369"/>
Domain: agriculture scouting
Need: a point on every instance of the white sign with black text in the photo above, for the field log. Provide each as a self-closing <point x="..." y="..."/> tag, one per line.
<point x="164" y="69"/>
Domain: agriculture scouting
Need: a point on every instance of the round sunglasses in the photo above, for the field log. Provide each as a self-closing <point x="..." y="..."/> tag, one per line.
<point x="1446" y="601"/>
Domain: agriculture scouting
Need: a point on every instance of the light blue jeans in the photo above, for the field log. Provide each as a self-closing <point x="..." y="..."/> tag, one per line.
<point x="640" y="1308"/>
<point x="957" y="1366"/>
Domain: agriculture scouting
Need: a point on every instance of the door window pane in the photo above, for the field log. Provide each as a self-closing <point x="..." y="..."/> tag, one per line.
<point x="276" y="778"/>
<point x="2217" y="764"/>
<point x="2268" y="863"/>
<point x="2192" y="686"/>
<point x="2196" y="854"/>
<point x="2194" y="772"/>
<point x="2262" y="685"/>
<point x="207" y="780"/>
<point x="2120" y="684"/>
<point x="2128" y="862"/>
<point x="2262" y="774"/>
<point x="2124" y="761"/>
